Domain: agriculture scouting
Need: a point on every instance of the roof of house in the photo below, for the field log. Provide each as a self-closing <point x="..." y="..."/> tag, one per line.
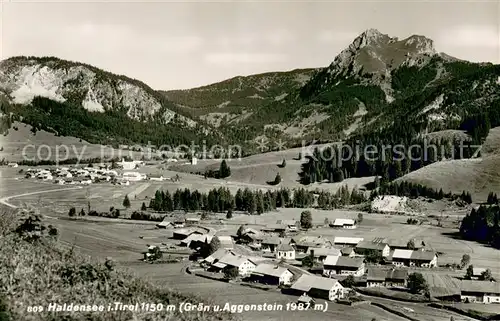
<point x="343" y="261"/>
<point x="343" y="221"/>
<point x="381" y="274"/>
<point x="404" y="242"/>
<point x="478" y="271"/>
<point x="402" y="254"/>
<point x="309" y="240"/>
<point x="270" y="269"/>
<point x="369" y="245"/>
<point x="285" y="247"/>
<point x="308" y="282"/>
<point x="325" y="251"/>
<point x="217" y="255"/>
<point x="423" y="255"/>
<point x="226" y="241"/>
<point x="219" y="265"/>
<point x="271" y="240"/>
<point x="197" y="238"/>
<point x="192" y="218"/>
<point x="233" y="260"/>
<point x="347" y="240"/>
<point x="480" y="286"/>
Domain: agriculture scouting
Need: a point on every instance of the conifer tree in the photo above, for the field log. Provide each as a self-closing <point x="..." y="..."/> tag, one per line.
<point x="126" y="202"/>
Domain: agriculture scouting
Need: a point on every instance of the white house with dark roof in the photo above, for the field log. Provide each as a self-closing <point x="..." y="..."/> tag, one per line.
<point x="347" y="241"/>
<point x="343" y="223"/>
<point x="272" y="274"/>
<point x="343" y="265"/>
<point x="285" y="251"/>
<point x="320" y="253"/>
<point x="318" y="287"/>
<point x="394" y="277"/>
<point x="480" y="291"/>
<point x="244" y="265"/>
<point x="414" y="258"/>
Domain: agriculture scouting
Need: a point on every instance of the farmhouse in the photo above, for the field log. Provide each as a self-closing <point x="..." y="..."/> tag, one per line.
<point x="251" y="237"/>
<point x="386" y="277"/>
<point x="130" y="165"/>
<point x="12" y="165"/>
<point x="156" y="177"/>
<point x="196" y="240"/>
<point x="217" y="255"/>
<point x="303" y="243"/>
<point x="226" y="241"/>
<point x="320" y="253"/>
<point x="132" y="176"/>
<point x="343" y="223"/>
<point x="244" y="265"/>
<point x="365" y="247"/>
<point x="347" y="241"/>
<point x="402" y="244"/>
<point x="341" y="265"/>
<point x="318" y="287"/>
<point x="165" y="223"/>
<point x="414" y="258"/>
<point x="270" y="244"/>
<point x="272" y="274"/>
<point x="181" y="234"/>
<point x="285" y="251"/>
<point x="480" y="291"/>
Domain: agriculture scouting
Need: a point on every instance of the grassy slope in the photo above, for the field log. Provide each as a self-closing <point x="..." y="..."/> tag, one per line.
<point x="41" y="273"/>
<point x="479" y="176"/>
<point x="16" y="140"/>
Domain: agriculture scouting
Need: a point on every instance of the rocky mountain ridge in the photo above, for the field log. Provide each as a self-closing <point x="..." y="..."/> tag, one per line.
<point x="371" y="85"/>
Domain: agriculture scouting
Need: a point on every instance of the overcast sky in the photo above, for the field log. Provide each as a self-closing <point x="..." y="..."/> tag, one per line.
<point x="183" y="45"/>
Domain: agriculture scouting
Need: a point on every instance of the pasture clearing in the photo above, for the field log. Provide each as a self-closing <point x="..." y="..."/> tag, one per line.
<point x="478" y="176"/>
<point x="22" y="144"/>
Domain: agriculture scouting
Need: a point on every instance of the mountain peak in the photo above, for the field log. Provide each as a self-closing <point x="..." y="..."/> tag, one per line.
<point x="370" y="37"/>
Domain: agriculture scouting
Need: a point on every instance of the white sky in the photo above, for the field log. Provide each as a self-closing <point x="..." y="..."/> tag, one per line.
<point x="184" y="45"/>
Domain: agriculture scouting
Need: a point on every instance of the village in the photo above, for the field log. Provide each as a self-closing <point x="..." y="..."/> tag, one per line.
<point x="283" y="256"/>
<point x="120" y="173"/>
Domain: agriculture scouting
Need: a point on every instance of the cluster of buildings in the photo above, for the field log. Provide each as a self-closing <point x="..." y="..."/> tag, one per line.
<point x="336" y="259"/>
<point x="65" y="175"/>
<point x="254" y="270"/>
<point x="95" y="174"/>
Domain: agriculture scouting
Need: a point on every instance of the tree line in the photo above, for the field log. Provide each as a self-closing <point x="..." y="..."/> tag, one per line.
<point x="414" y="190"/>
<point x="253" y="202"/>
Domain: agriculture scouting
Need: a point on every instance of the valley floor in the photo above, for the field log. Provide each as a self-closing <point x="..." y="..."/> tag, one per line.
<point x="125" y="240"/>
